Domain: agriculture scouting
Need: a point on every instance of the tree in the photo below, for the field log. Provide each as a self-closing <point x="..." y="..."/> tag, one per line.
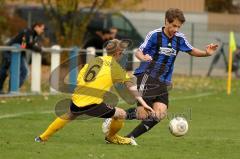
<point x="9" y="24"/>
<point x="65" y="16"/>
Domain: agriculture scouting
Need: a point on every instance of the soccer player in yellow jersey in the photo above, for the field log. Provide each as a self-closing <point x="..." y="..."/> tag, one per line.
<point x="92" y="93"/>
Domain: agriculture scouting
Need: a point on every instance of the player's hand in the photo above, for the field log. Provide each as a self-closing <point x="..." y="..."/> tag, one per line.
<point x="147" y="107"/>
<point x="147" y="57"/>
<point x="211" y="49"/>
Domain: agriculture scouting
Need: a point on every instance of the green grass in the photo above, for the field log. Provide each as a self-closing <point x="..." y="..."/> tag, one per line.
<point x="213" y="134"/>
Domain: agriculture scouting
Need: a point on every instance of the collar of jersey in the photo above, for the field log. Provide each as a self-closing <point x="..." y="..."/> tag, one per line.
<point x="106" y="57"/>
<point x="169" y="39"/>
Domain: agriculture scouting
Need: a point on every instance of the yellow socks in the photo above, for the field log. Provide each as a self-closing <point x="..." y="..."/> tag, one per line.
<point x="53" y="128"/>
<point x="115" y="126"/>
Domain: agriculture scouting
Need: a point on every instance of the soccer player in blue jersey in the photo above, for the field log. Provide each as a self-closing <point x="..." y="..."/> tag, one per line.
<point x="157" y="55"/>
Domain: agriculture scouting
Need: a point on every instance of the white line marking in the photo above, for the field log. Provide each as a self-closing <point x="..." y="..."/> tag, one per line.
<point x="23" y="113"/>
<point x="185" y="97"/>
<point x="120" y="102"/>
<point x="193" y="96"/>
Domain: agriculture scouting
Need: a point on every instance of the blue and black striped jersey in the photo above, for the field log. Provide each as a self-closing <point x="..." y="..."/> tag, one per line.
<point x="164" y="56"/>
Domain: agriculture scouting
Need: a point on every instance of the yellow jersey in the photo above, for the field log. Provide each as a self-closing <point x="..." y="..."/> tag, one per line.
<point x="95" y="79"/>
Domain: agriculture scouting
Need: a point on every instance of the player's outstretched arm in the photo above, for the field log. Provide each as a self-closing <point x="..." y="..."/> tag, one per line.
<point x="209" y="51"/>
<point x="133" y="89"/>
<point x="140" y="55"/>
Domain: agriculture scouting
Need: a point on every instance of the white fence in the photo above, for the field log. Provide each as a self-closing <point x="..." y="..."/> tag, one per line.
<point x="55" y="51"/>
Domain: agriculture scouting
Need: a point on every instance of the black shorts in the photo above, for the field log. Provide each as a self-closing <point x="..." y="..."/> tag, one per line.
<point x="101" y="110"/>
<point x="152" y="90"/>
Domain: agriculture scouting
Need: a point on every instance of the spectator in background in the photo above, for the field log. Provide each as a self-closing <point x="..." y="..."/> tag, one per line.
<point x="236" y="61"/>
<point x="98" y="39"/>
<point x="28" y="39"/>
<point x="113" y="32"/>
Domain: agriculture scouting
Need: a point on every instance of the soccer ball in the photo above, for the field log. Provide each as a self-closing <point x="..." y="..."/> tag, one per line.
<point x="178" y="126"/>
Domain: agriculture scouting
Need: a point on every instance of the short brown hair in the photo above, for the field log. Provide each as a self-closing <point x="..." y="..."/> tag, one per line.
<point x="37" y="24"/>
<point x="174" y="13"/>
<point x="113" y="45"/>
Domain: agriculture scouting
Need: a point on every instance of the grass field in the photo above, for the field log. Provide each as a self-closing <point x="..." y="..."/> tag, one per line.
<point x="214" y="120"/>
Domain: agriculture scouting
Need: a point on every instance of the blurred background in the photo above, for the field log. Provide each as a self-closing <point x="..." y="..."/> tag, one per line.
<point x="71" y="23"/>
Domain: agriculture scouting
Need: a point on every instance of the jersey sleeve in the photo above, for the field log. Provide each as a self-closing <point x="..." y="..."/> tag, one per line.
<point x="119" y="75"/>
<point x="33" y="42"/>
<point x="149" y="42"/>
<point x="17" y="39"/>
<point x="185" y="46"/>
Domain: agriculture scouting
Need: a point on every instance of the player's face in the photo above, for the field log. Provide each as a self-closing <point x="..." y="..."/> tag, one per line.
<point x="113" y="32"/>
<point x="40" y="29"/>
<point x="172" y="28"/>
<point x="107" y="36"/>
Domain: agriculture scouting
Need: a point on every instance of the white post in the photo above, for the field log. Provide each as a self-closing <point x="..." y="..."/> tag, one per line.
<point x="136" y="61"/>
<point x="104" y="52"/>
<point x="36" y="72"/>
<point x="55" y="63"/>
<point x="91" y="52"/>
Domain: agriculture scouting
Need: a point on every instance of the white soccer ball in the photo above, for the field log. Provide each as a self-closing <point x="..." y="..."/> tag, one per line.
<point x="178" y="126"/>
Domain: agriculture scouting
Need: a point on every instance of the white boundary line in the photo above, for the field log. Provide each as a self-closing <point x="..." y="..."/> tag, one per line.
<point x="22" y="114"/>
<point x="185" y="97"/>
<point x="120" y="102"/>
<point x="193" y="96"/>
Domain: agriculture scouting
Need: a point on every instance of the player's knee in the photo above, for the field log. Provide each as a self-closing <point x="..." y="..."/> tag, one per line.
<point x="120" y="114"/>
<point x="142" y="113"/>
<point x="68" y="116"/>
<point x="162" y="115"/>
<point x="161" y="111"/>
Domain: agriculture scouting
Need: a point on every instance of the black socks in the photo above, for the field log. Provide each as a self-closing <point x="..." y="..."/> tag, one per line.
<point x="131" y="113"/>
<point x="143" y="127"/>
